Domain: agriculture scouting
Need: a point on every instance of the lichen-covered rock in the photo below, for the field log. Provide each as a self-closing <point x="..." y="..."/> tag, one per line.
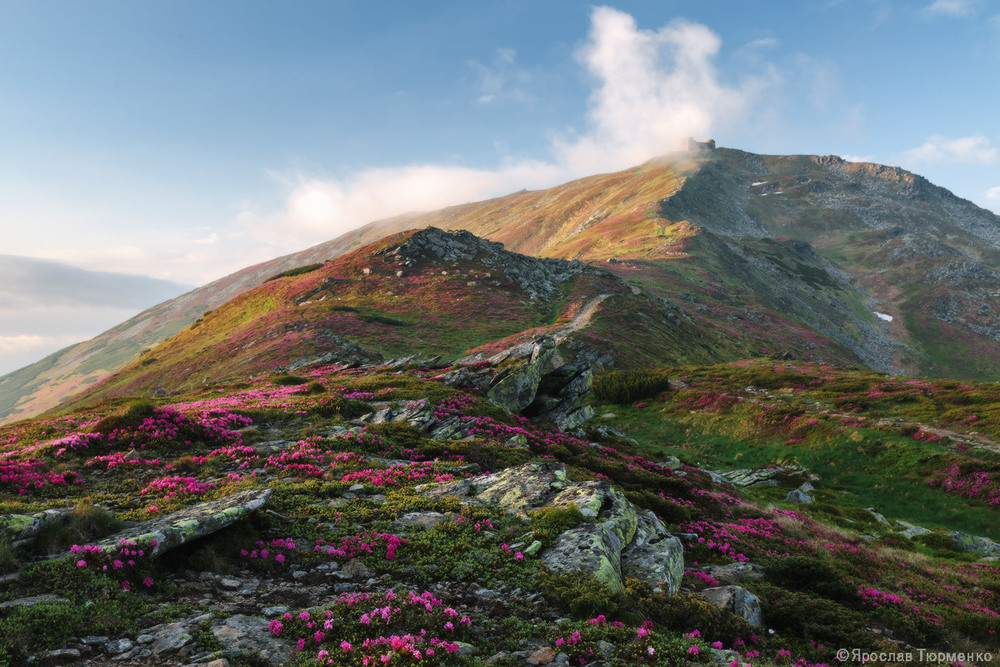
<point x="737" y="599"/>
<point x="592" y="548"/>
<point x="654" y="556"/>
<point x="18" y="527"/>
<point x="517" y="389"/>
<point x="911" y="530"/>
<point x="598" y="547"/>
<point x="974" y="544"/>
<point x="758" y="476"/>
<point x="523" y="487"/>
<point x="190" y="523"/>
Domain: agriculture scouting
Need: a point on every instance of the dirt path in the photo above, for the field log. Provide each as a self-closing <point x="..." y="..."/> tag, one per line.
<point x="582" y="318"/>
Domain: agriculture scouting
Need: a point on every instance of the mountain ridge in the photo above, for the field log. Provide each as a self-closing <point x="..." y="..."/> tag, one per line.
<point x="693" y="218"/>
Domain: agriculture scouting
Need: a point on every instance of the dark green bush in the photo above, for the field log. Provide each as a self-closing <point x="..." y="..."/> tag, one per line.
<point x="629" y="386"/>
<point x="582" y="595"/>
<point x="683" y="613"/>
<point x="297" y="271"/>
<point x="809" y="617"/>
<point x="129" y="417"/>
<point x="811" y="575"/>
<point x="286" y="380"/>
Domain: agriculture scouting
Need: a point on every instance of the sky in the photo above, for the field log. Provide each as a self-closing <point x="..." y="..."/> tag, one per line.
<point x="181" y="141"/>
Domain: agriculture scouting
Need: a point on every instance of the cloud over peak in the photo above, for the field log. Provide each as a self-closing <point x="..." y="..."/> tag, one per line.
<point x="973" y="149"/>
<point x="653" y="89"/>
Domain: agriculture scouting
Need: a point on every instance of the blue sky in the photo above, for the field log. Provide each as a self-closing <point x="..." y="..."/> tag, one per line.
<point x="183" y="140"/>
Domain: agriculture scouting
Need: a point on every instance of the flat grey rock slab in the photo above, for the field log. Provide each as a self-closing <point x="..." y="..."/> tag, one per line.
<point x="190" y="523"/>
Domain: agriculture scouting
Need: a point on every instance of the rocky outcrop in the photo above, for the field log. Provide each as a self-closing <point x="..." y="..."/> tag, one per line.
<point x="538" y="277"/>
<point x="617" y="541"/>
<point x="533" y="379"/>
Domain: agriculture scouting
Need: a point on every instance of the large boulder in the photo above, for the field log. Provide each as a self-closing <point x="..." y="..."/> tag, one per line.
<point x="654" y="556"/>
<point x="515" y="389"/>
<point x="737" y="599"/>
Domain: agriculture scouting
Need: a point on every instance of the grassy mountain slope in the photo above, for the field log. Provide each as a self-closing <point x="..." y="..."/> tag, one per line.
<point x="450" y="294"/>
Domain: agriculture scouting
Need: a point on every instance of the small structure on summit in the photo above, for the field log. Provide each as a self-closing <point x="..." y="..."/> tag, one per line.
<point x="693" y="145"/>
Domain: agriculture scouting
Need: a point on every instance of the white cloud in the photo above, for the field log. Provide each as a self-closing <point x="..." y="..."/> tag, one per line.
<point x="974" y="149"/>
<point x="208" y="240"/>
<point x="951" y="7"/>
<point x="993" y="193"/>
<point x="859" y="158"/>
<point x="321" y="209"/>
<point x="653" y="89"/>
<point x="764" y="43"/>
<point x="502" y="79"/>
<point x="21" y="343"/>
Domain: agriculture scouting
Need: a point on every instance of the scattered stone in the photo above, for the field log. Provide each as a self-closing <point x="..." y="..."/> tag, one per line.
<point x="230" y="584"/>
<point x="911" y="530"/>
<point x="169" y="638"/>
<point x="95" y="640"/>
<point x="32" y="601"/>
<point x="60" y="656"/>
<point x="798" y="496"/>
<point x="878" y="517"/>
<point x="117" y="646"/>
<point x="737" y="599"/>
<point x="542" y="656"/>
<point x="247" y="634"/>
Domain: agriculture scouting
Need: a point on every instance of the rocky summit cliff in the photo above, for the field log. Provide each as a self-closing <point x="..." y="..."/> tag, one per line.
<point x="854" y="257"/>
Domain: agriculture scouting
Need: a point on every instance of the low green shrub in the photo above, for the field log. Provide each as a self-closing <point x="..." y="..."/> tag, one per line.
<point x="130" y="416"/>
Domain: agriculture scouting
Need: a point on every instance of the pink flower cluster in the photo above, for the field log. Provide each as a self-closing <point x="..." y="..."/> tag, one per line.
<point x="398" y="474"/>
<point x="130" y="557"/>
<point x="170" y="487"/>
<point x="350" y="546"/>
<point x="32" y="474"/>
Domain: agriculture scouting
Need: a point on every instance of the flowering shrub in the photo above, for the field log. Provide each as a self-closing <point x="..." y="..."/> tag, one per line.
<point x="362" y="629"/>
<point x="128" y="563"/>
